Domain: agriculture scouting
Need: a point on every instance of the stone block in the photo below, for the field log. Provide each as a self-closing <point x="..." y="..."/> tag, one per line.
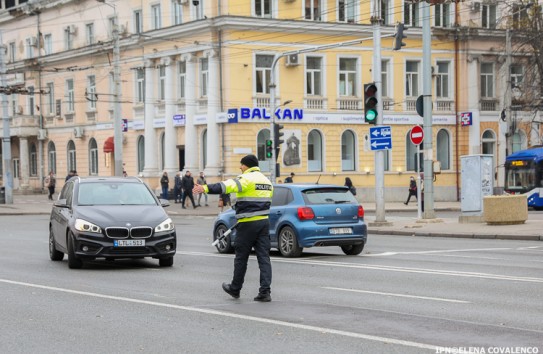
<point x="505" y="209"/>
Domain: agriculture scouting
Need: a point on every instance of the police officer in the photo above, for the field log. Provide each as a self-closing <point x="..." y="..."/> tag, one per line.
<point x="254" y="193"/>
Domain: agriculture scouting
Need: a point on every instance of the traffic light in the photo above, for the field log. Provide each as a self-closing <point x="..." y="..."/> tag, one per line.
<point x="269" y="149"/>
<point x="399" y="36"/>
<point x="370" y="103"/>
<point x="277" y="134"/>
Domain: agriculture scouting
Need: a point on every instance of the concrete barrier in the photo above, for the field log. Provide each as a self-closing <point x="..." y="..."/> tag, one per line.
<point x="505" y="209"/>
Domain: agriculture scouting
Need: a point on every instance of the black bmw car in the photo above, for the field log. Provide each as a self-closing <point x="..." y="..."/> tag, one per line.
<point x="110" y="217"/>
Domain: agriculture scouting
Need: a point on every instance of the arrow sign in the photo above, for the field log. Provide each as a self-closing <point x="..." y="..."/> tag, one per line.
<point x="381" y="138"/>
<point x="385" y="145"/>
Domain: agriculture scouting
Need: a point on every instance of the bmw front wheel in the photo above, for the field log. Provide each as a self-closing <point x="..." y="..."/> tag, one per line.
<point x="54" y="254"/>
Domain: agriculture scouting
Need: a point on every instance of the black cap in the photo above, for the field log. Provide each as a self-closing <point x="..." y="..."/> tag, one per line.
<point x="249" y="161"/>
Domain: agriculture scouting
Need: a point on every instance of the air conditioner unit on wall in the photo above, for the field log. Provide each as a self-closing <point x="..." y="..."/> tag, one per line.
<point x="475" y="6"/>
<point x="78" y="132"/>
<point x="292" y="60"/>
<point x="42" y="134"/>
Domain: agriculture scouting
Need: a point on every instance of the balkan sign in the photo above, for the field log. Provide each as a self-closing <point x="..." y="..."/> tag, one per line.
<point x="245" y="113"/>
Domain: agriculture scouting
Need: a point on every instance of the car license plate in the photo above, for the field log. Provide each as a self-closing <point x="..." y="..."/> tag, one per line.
<point x="128" y="243"/>
<point x="341" y="231"/>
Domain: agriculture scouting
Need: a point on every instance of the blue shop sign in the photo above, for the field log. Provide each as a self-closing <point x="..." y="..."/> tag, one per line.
<point x="246" y="113"/>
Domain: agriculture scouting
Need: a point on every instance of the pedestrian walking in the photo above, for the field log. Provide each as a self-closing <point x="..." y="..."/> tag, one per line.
<point x="202" y="180"/>
<point x="165" y="184"/>
<point x="50" y="182"/>
<point x="412" y="189"/>
<point x="177" y="187"/>
<point x="187" y="183"/>
<point x="71" y="174"/>
<point x="290" y="179"/>
<point x="224" y="200"/>
<point x="349" y="183"/>
<point x="254" y="194"/>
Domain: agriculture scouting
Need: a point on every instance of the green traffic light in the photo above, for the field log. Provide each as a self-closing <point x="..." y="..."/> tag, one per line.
<point x="371" y="115"/>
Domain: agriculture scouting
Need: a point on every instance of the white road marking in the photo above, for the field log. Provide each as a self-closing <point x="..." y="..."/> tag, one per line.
<point x="399" y="295"/>
<point x="437" y="251"/>
<point x="381" y="267"/>
<point x="228" y="314"/>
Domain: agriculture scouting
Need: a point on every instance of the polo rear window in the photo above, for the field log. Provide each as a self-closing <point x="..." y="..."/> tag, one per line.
<point x="328" y="196"/>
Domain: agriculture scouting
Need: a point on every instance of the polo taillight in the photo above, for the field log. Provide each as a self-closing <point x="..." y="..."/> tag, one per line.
<point x="360" y="211"/>
<point x="305" y="213"/>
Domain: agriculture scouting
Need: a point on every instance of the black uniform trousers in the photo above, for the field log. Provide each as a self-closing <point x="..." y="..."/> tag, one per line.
<point x="248" y="235"/>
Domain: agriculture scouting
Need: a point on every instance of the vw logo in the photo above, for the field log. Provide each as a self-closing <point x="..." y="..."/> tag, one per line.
<point x="338" y="211"/>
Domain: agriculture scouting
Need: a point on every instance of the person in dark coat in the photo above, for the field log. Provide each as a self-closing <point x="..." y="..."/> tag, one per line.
<point x="177" y="187"/>
<point x="187" y="183"/>
<point x="165" y="183"/>
<point x="412" y="189"/>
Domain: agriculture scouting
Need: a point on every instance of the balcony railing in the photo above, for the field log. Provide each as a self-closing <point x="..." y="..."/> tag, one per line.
<point x="262" y="101"/>
<point x="317" y="103"/>
<point x="349" y="103"/>
<point x="411" y="104"/>
<point x="444" y="105"/>
<point x="488" y="104"/>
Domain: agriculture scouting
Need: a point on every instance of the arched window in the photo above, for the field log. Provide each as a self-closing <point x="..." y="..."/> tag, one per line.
<point x="204" y="148"/>
<point x="33" y="160"/>
<point x="488" y="143"/>
<point x="348" y="151"/>
<point x="93" y="157"/>
<point x="261" y="138"/>
<point x="52" y="153"/>
<point x="519" y="141"/>
<point x="444" y="149"/>
<point x="411" y="155"/>
<point x="141" y="153"/>
<point x="314" y="151"/>
<point x="162" y="151"/>
<point x="71" y="157"/>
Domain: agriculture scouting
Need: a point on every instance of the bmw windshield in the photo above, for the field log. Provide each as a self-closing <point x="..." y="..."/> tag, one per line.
<point x="112" y="193"/>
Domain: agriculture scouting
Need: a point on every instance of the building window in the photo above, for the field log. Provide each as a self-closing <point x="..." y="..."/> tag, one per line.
<point x="204" y="149"/>
<point x="204" y="76"/>
<point x="488" y="16"/>
<point x="31" y="100"/>
<point x="12" y="55"/>
<point x="91" y="91"/>
<point x="487" y="80"/>
<point x="261" y="138"/>
<point x="520" y="15"/>
<point x="140" y="85"/>
<point x="517" y="75"/>
<point x="156" y="20"/>
<point x="68" y="38"/>
<point x="346" y="11"/>
<point x="70" y="96"/>
<point x="347" y="77"/>
<point x="89" y="29"/>
<point x="71" y="156"/>
<point x="29" y="44"/>
<point x="111" y="26"/>
<point x="314" y="151"/>
<point x="518" y="141"/>
<point x="411" y="14"/>
<point x="198" y="10"/>
<point x="52" y="153"/>
<point x="162" y="82"/>
<point x="93" y="157"/>
<point x="16" y="168"/>
<point x="263" y="73"/>
<point x="313" y="9"/>
<point x="412" y="78"/>
<point x="384" y="78"/>
<point x="182" y="72"/>
<point x="48" y="44"/>
<point x="442" y="15"/>
<point x="263" y="8"/>
<point x="141" y="153"/>
<point x="386" y="12"/>
<point x="442" y="80"/>
<point x="348" y="149"/>
<point x="138" y="22"/>
<point x="177" y="12"/>
<point x="33" y="168"/>
<point x="444" y="149"/>
<point x="313" y="74"/>
<point x="50" y="98"/>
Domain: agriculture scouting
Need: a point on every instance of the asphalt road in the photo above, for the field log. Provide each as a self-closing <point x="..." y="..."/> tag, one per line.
<point x="402" y="295"/>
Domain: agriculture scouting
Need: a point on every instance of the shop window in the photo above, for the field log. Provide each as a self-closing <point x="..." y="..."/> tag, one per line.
<point x="444" y="149"/>
<point x="314" y="151"/>
<point x="348" y="149"/>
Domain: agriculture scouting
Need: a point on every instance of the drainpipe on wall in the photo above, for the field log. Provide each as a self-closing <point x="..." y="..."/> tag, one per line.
<point x="41" y="158"/>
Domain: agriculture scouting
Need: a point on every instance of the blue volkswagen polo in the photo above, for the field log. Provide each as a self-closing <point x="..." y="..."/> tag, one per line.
<point x="304" y="216"/>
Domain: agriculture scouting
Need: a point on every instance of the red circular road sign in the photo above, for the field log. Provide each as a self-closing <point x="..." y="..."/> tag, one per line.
<point x="416" y="135"/>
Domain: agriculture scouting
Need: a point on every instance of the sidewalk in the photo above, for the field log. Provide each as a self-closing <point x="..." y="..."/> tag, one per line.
<point x="396" y="224"/>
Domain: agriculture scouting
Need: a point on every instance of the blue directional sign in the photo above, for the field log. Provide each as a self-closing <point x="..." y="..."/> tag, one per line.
<point x="381" y="138"/>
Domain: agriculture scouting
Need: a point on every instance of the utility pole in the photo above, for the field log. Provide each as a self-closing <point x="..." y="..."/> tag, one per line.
<point x="508" y="92"/>
<point x="6" y="139"/>
<point x="379" y="157"/>
<point x="427" y="104"/>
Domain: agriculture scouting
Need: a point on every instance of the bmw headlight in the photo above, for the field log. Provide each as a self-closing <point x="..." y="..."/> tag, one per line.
<point x="166" y="225"/>
<point x="85" y="226"/>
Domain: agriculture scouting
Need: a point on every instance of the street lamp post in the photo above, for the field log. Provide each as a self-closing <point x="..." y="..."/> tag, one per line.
<point x="117" y="126"/>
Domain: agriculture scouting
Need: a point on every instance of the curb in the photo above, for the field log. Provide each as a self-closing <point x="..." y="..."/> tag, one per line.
<point x="448" y="235"/>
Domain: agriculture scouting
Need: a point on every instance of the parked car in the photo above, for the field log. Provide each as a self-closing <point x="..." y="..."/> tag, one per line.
<point x="303" y="216"/>
<point x="110" y="217"/>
